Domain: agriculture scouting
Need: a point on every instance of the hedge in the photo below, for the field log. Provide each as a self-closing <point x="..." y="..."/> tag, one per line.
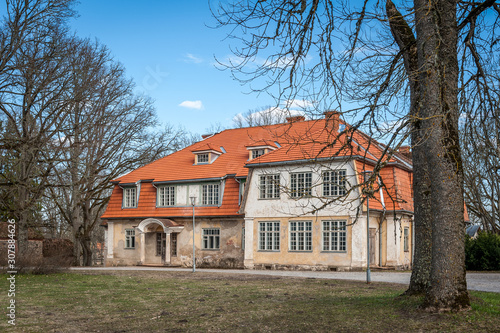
<point x="483" y="252"/>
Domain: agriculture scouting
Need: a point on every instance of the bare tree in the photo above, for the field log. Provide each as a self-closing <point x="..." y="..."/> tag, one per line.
<point x="404" y="72"/>
<point x="33" y="81"/>
<point x="266" y="115"/>
<point x="108" y="131"/>
<point x="481" y="142"/>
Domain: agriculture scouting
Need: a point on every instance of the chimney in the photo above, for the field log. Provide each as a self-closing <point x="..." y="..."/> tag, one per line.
<point x="405" y="150"/>
<point x="295" y="119"/>
<point x="204" y="136"/>
<point x="332" y="118"/>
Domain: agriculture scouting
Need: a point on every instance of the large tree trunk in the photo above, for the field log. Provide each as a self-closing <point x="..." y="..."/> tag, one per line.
<point x="422" y="221"/>
<point x="404" y="37"/>
<point x="86" y="250"/>
<point x="438" y="73"/>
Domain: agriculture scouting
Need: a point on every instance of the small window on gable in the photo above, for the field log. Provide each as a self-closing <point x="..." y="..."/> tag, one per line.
<point x="202" y="158"/>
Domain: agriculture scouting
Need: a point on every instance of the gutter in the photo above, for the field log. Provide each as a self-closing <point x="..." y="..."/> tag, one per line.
<point x="322" y="159"/>
<point x="177" y="181"/>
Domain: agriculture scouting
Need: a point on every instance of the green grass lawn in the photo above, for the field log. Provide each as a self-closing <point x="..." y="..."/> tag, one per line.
<point x="209" y="302"/>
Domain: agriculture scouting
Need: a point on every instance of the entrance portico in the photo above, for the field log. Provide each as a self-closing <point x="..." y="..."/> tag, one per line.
<point x="149" y="230"/>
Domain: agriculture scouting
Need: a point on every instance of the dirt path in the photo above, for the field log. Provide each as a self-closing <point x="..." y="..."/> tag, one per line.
<point x="475" y="281"/>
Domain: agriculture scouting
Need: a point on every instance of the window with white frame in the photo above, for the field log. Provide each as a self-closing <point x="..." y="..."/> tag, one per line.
<point x="269" y="236"/>
<point x="334" y="183"/>
<point x="202" y="158"/>
<point x="334" y="236"/>
<point x="130" y="238"/>
<point x="257" y="152"/>
<point x="166" y="196"/>
<point x="406" y="239"/>
<point x="269" y="187"/>
<point x="173" y="244"/>
<point x="300" y="184"/>
<point x="129" y="197"/>
<point x="300" y="236"/>
<point x="210" y="194"/>
<point x="211" y="239"/>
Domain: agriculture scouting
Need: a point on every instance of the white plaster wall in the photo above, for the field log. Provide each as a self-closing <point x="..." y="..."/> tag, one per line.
<point x="182" y="195"/>
<point x="393" y="242"/>
<point x="286" y="206"/>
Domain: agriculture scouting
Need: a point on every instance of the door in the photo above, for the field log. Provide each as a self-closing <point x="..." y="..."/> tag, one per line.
<point x="161" y="244"/>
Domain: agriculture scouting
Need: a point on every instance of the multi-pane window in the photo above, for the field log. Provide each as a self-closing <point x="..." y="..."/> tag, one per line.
<point x="334" y="235"/>
<point x="160" y="243"/>
<point x="243" y="238"/>
<point x="210" y="194"/>
<point x="269" y="187"/>
<point x="130" y="238"/>
<point x="300" y="236"/>
<point x="129" y="197"/>
<point x="406" y="239"/>
<point x="300" y="184"/>
<point x="334" y="183"/>
<point x="173" y="244"/>
<point x="202" y="158"/>
<point x="211" y="239"/>
<point x="269" y="236"/>
<point x="257" y="152"/>
<point x="166" y="196"/>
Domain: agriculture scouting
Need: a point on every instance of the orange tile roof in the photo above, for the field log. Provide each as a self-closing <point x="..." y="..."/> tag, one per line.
<point x="299" y="140"/>
<point x="146" y="206"/>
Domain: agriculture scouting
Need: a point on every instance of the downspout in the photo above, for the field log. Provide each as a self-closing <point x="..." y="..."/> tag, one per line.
<point x="382" y="218"/>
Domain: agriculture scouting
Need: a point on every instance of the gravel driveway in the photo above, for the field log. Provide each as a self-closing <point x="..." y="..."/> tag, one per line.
<point x="475" y="281"/>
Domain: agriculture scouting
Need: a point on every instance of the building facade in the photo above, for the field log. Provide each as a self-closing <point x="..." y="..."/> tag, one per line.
<point x="286" y="196"/>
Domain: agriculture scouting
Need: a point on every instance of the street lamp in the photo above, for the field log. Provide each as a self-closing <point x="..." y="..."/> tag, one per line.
<point x="367" y="176"/>
<point x="193" y="201"/>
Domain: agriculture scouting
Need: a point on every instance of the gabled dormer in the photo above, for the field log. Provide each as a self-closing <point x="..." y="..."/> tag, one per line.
<point x="206" y="154"/>
<point x="259" y="148"/>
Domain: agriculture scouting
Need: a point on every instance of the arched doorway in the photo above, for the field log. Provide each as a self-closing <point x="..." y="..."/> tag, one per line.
<point x="156" y="240"/>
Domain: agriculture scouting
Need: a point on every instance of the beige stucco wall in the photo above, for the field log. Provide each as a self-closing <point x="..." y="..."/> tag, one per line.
<point x="117" y="254"/>
<point x="285" y="258"/>
<point x="230" y="253"/>
<point x="389" y="235"/>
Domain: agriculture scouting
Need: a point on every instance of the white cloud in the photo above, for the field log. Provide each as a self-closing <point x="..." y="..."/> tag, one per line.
<point x="198" y="105"/>
<point x="192" y="58"/>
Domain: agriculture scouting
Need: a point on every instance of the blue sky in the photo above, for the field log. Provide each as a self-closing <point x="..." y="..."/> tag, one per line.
<point x="168" y="49"/>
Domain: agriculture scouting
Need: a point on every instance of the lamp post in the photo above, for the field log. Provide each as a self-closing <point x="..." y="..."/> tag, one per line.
<point x="193" y="201"/>
<point x="367" y="175"/>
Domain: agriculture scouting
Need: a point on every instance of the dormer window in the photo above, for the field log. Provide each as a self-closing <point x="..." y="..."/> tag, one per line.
<point x="258" y="152"/>
<point x="258" y="149"/>
<point x="202" y="158"/>
<point x="207" y="154"/>
<point x="130" y="197"/>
